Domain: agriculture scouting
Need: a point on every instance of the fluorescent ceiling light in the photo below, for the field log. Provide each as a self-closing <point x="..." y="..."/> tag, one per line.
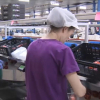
<point x="46" y="12"/>
<point x="27" y="15"/>
<point x="55" y="3"/>
<point x="82" y="7"/>
<point x="24" y="0"/>
<point x="37" y="13"/>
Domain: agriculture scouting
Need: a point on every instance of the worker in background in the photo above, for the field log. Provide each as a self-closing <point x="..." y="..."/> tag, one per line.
<point x="50" y="65"/>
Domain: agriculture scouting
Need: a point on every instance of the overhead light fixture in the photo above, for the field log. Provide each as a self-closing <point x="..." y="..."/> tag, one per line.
<point x="27" y="15"/>
<point x="46" y="12"/>
<point x="82" y="7"/>
<point x="37" y="13"/>
<point x="54" y="3"/>
<point x="24" y="0"/>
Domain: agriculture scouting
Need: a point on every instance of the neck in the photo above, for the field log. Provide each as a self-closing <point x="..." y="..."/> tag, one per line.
<point x="52" y="35"/>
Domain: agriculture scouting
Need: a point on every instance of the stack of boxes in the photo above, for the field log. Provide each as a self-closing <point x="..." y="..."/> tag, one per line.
<point x="13" y="11"/>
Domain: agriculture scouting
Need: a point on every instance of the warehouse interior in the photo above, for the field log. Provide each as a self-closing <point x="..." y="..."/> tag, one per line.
<point x="24" y="21"/>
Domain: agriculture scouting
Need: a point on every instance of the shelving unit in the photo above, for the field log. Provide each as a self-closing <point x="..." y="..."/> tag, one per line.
<point x="80" y="17"/>
<point x="86" y="16"/>
<point x="86" y="25"/>
<point x="34" y="37"/>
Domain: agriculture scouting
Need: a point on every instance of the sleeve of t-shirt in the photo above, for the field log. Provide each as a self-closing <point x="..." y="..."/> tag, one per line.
<point x="67" y="62"/>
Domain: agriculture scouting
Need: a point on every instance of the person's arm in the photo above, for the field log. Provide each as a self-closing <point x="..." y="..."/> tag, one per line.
<point x="68" y="68"/>
<point x="76" y="84"/>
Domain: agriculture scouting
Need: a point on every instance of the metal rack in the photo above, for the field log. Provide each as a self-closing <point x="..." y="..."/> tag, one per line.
<point x="86" y="25"/>
<point x="85" y="16"/>
<point x="80" y="17"/>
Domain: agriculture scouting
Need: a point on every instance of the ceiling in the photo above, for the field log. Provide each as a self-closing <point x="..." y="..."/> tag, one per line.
<point x="43" y="4"/>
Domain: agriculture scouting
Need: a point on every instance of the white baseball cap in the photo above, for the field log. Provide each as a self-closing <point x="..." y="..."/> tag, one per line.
<point x="60" y="17"/>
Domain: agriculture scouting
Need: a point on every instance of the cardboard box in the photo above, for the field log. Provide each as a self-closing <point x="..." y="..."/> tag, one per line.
<point x="13" y="75"/>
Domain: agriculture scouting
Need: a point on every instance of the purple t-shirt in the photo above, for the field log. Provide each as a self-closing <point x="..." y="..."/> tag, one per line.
<point x="47" y="63"/>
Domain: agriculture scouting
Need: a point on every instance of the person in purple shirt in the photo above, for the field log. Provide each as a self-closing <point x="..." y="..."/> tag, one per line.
<point x="50" y="65"/>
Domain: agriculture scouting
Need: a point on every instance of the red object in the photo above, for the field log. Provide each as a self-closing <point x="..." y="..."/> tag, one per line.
<point x="95" y="69"/>
<point x="90" y="67"/>
<point x="97" y="17"/>
<point x="4" y="46"/>
<point x="97" y="62"/>
<point x="95" y="93"/>
<point x="14" y="48"/>
<point x="13" y="22"/>
<point x="97" y="29"/>
<point x="19" y="46"/>
<point x="6" y="63"/>
<point x="6" y="67"/>
<point x="87" y="97"/>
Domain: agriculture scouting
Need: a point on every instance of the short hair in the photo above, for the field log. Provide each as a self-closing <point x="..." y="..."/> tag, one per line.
<point x="53" y="28"/>
<point x="71" y="28"/>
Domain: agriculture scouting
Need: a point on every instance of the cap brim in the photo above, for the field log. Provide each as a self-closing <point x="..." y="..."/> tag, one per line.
<point x="76" y="26"/>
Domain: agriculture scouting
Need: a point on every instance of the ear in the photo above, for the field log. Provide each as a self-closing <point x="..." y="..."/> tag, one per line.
<point x="64" y="29"/>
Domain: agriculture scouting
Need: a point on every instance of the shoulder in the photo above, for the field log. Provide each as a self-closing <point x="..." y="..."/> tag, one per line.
<point x="53" y="45"/>
<point x="62" y="47"/>
<point x="33" y="44"/>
